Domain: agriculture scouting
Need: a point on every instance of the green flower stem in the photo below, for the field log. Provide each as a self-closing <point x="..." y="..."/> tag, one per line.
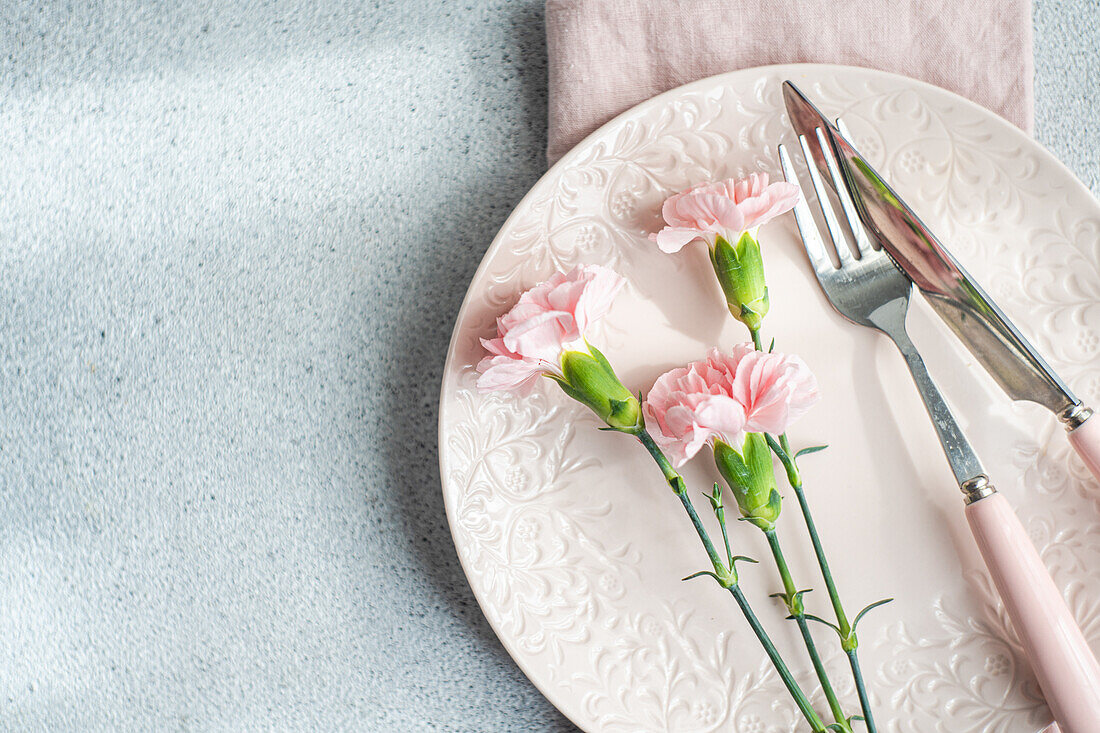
<point x="720" y="569"/>
<point x="849" y="642"/>
<point x="728" y="580"/>
<point x="795" y="479"/>
<point x="676" y="482"/>
<point x="861" y="689"/>
<point x="804" y="705"/>
<point x="794" y="605"/>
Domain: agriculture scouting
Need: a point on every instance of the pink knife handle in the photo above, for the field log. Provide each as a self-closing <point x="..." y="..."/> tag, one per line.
<point x="1085" y="439"/>
<point x="1067" y="671"/>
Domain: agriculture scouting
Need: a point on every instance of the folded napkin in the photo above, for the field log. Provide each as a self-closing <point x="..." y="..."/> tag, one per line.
<point x="606" y="56"/>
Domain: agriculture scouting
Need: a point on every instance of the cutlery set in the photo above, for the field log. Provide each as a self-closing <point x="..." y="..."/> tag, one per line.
<point x="891" y="250"/>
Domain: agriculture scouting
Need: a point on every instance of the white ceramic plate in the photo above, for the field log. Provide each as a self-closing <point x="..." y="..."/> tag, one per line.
<point x="575" y="548"/>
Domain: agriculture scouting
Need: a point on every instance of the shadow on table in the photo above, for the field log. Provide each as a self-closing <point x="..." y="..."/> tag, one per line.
<point x="446" y="246"/>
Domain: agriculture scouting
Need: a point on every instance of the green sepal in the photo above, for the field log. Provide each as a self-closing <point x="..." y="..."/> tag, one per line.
<point x="740" y="272"/>
<point x="758" y="522"/>
<point x="588" y="378"/>
<point x="750" y="475"/>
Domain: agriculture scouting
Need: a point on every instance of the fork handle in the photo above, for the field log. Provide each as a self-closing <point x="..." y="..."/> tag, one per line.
<point x="1067" y="671"/>
<point x="1085" y="439"/>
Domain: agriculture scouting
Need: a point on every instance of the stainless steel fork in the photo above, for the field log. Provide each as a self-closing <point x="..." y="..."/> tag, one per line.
<point x="870" y="290"/>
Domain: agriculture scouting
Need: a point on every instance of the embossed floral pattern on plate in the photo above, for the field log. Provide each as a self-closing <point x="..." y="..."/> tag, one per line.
<point x="573" y="547"/>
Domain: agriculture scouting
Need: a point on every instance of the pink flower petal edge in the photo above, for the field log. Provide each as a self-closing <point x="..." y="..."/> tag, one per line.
<point x="548" y="319"/>
<point x="725" y="396"/>
<point x="724" y="209"/>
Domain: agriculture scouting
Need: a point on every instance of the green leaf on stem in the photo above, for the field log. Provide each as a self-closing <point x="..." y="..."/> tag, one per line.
<point x="700" y="573"/>
<point x="793" y="602"/>
<point x="771" y="346"/>
<point x="727" y="579"/>
<point x="808" y="451"/>
<point x="876" y="604"/>
<point x="820" y="620"/>
<point x="733" y="567"/>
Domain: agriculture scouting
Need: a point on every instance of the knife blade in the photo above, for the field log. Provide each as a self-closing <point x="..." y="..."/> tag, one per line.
<point x="957" y="298"/>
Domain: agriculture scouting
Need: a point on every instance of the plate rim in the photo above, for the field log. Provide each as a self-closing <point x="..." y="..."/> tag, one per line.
<point x="576" y="152"/>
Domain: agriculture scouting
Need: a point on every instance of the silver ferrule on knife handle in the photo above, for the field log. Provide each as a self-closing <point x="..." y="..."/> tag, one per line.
<point x="1074" y="416"/>
<point x="976" y="488"/>
<point x="964" y="462"/>
<point x="1083" y="433"/>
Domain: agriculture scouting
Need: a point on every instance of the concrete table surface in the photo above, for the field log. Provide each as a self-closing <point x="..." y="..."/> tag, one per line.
<point x="233" y="238"/>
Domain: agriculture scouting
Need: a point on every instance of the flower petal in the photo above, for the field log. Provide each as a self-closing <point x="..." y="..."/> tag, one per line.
<point x="727" y="395"/>
<point x="776" y="199"/>
<point x="547" y="319"/>
<point x="726" y="208"/>
<point x="505" y="373"/>
<point x="673" y="239"/>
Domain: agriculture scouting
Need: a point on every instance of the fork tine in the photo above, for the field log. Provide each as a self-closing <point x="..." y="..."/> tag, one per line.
<point x="863" y="243"/>
<point x="804" y="219"/>
<point x="843" y="251"/>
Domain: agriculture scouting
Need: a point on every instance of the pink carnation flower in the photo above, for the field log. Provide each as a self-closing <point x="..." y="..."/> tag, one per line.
<point x="725" y="209"/>
<point x="548" y="320"/>
<point x="727" y="395"/>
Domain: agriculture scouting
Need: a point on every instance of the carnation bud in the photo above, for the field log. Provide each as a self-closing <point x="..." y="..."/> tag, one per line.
<point x="588" y="378"/>
<point x="740" y="271"/>
<point x="750" y="475"/>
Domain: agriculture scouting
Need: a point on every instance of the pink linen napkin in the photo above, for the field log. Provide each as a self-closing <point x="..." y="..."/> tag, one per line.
<point x="606" y="56"/>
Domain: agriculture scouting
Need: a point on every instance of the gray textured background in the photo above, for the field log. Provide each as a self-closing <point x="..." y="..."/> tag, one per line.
<point x="234" y="236"/>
